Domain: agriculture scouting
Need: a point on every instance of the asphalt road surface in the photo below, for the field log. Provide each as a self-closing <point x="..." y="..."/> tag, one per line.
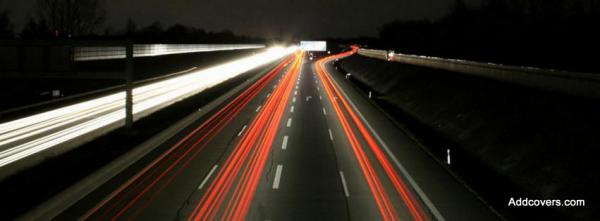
<point x="301" y="143"/>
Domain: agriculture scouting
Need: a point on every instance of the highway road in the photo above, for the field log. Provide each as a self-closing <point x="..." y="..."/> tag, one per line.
<point x="300" y="143"/>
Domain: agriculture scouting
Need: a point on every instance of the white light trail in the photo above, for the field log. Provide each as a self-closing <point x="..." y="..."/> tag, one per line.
<point x="27" y="136"/>
<point x="90" y="53"/>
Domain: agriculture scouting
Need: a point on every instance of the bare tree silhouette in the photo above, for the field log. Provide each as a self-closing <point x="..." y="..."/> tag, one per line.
<point x="72" y="17"/>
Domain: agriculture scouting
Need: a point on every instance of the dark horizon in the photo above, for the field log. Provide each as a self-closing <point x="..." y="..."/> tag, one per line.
<point x="511" y="32"/>
<point x="306" y="110"/>
<point x="314" y="19"/>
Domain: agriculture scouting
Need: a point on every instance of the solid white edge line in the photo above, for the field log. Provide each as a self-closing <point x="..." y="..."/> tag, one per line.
<point x="242" y="131"/>
<point x="403" y="170"/>
<point x="208" y="176"/>
<point x="277" y="176"/>
<point x="285" y="141"/>
<point x="289" y="122"/>
<point x="344" y="185"/>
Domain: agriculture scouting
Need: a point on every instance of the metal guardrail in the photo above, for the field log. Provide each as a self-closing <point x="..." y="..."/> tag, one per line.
<point x="86" y="53"/>
<point x="574" y="83"/>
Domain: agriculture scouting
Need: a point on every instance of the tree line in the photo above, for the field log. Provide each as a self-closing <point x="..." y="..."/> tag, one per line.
<point x="66" y="19"/>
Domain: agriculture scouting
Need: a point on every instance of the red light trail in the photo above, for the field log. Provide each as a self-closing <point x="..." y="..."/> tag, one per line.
<point x="175" y="156"/>
<point x="381" y="198"/>
<point x="247" y="162"/>
<point x="229" y="195"/>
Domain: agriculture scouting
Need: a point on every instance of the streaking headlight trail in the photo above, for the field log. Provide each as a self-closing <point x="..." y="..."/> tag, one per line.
<point x="27" y="136"/>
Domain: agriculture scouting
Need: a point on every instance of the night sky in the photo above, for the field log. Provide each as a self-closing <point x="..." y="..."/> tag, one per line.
<point x="262" y="18"/>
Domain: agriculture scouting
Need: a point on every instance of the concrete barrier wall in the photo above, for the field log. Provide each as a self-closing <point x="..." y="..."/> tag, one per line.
<point x="580" y="84"/>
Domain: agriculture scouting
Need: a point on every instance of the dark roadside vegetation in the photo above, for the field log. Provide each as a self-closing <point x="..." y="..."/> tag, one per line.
<point x="506" y="140"/>
<point x="20" y="192"/>
<point x="553" y="34"/>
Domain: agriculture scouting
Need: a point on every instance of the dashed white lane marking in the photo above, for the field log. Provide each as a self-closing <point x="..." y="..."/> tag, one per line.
<point x="295" y="92"/>
<point x="285" y="141"/>
<point x="346" y="192"/>
<point x="294" y="100"/>
<point x="269" y="94"/>
<point x="208" y="176"/>
<point x="292" y="109"/>
<point x="277" y="176"/>
<point x="289" y="122"/>
<point x="324" y="112"/>
<point x="436" y="213"/>
<point x="320" y="97"/>
<point x="242" y="131"/>
<point x="330" y="135"/>
<point x="258" y="108"/>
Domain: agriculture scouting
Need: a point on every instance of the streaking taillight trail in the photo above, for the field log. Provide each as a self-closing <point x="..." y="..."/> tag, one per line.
<point x="386" y="208"/>
<point x="156" y="176"/>
<point x="248" y="160"/>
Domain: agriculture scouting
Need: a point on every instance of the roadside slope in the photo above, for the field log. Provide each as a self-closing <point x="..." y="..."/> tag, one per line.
<point x="507" y="140"/>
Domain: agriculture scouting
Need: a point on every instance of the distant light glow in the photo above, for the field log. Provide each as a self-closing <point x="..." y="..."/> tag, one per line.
<point x="313" y="45"/>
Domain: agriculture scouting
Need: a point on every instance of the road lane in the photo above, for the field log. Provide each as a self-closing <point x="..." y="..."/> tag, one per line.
<point x="310" y="187"/>
<point x="233" y="188"/>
